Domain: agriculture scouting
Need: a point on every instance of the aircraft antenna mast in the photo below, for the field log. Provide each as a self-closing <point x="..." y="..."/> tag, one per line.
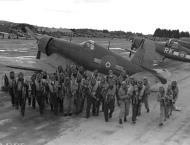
<point x="109" y="45"/>
<point x="70" y="38"/>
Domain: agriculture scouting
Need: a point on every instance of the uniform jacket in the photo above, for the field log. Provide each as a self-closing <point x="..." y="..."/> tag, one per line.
<point x="111" y="93"/>
<point x="146" y="89"/>
<point x="122" y="94"/>
<point x="74" y="86"/>
<point x="169" y="94"/>
<point x="161" y="98"/>
<point x="141" y="92"/>
<point x="175" y="93"/>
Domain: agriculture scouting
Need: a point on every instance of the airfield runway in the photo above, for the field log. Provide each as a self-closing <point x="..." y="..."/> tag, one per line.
<point x="49" y="129"/>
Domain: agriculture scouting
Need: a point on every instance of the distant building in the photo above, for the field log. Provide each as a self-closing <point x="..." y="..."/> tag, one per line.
<point x="4" y="35"/>
<point x="66" y="32"/>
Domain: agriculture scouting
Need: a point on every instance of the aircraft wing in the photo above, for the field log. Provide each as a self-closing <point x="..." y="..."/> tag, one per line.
<point x="122" y="50"/>
<point x="185" y="42"/>
<point x="24" y="68"/>
<point x="132" y="51"/>
<point x="48" y="64"/>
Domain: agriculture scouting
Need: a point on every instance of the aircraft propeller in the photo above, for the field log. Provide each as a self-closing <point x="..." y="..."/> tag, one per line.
<point x="38" y="55"/>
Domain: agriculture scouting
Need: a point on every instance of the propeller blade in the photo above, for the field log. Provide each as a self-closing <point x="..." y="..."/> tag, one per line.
<point x="32" y="33"/>
<point x="38" y="56"/>
<point x="37" y="39"/>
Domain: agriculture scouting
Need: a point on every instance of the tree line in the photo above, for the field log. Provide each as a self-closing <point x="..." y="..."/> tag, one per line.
<point x="170" y="33"/>
<point x="19" y="30"/>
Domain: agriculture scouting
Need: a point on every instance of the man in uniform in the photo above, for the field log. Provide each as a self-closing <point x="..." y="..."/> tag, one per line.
<point x="61" y="92"/>
<point x="27" y="92"/>
<point x="59" y="69"/>
<point x="141" y="89"/>
<point x="95" y="74"/>
<point x="162" y="100"/>
<point x="45" y="90"/>
<point x="169" y="101"/>
<point x="111" y="78"/>
<point x="109" y="100"/>
<point x="56" y="97"/>
<point x="53" y="88"/>
<point x="91" y="99"/>
<point x="12" y="87"/>
<point x="119" y="81"/>
<point x="51" y="82"/>
<point x="85" y="92"/>
<point x="68" y="70"/>
<point x="95" y="97"/>
<point x="74" y="70"/>
<point x="100" y="94"/>
<point x="5" y="83"/>
<point x="81" y="70"/>
<point x="175" y="91"/>
<point x="33" y="91"/>
<point x="39" y="91"/>
<point x="122" y="96"/>
<point x="133" y="92"/>
<point x="46" y="87"/>
<point x="67" y="98"/>
<point x="146" y="94"/>
<point x="20" y="91"/>
<point x="79" y="98"/>
<point x="74" y="93"/>
<point x="24" y="96"/>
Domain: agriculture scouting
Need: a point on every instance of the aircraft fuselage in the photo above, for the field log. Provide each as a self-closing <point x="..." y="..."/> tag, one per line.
<point x="175" y="52"/>
<point x="88" y="54"/>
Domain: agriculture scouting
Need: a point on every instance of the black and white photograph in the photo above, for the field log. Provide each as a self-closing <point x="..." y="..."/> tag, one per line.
<point x="94" y="72"/>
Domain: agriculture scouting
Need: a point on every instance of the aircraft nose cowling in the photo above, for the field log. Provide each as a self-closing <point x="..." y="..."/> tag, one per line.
<point x="43" y="44"/>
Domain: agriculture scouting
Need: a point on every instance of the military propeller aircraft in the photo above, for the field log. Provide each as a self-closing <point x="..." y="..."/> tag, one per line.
<point x="91" y="56"/>
<point x="184" y="41"/>
<point x="157" y="51"/>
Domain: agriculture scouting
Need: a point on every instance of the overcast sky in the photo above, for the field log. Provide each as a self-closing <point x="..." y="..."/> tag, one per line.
<point x="127" y="15"/>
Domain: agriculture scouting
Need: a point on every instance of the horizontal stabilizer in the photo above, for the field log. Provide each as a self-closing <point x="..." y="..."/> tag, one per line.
<point x="138" y="58"/>
<point x="132" y="51"/>
<point x="156" y="74"/>
<point x="146" y="54"/>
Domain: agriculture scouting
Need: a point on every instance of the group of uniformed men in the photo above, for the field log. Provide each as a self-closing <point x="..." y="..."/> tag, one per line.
<point x="74" y="90"/>
<point x="167" y="98"/>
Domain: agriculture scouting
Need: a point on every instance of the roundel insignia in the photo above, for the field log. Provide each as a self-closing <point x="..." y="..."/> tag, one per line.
<point x="182" y="54"/>
<point x="108" y="61"/>
<point x="108" y="64"/>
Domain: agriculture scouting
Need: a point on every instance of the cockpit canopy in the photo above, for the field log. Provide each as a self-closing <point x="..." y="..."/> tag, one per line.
<point x="172" y="43"/>
<point x="88" y="44"/>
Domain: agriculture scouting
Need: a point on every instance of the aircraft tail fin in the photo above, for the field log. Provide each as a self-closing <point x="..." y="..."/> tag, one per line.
<point x="138" y="58"/>
<point x="146" y="54"/>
